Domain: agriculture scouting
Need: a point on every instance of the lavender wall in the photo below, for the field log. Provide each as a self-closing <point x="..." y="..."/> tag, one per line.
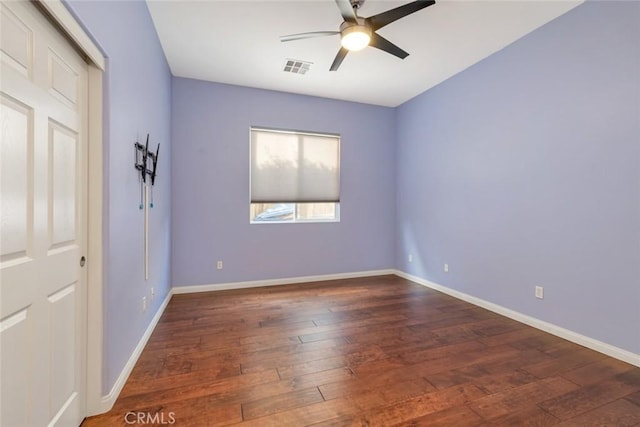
<point x="210" y="185"/>
<point x="137" y="102"/>
<point x="524" y="170"/>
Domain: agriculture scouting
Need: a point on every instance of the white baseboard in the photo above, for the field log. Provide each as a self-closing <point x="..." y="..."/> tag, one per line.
<point x="277" y="282"/>
<point x="593" y="344"/>
<point x="110" y="399"/>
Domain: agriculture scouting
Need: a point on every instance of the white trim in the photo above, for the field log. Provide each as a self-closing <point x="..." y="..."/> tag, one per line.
<point x="593" y="344"/>
<point x="277" y="282"/>
<point x="95" y="242"/>
<point x="110" y="399"/>
<point x="61" y="15"/>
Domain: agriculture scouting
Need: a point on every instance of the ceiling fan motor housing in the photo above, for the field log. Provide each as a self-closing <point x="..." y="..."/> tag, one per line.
<point x="360" y="25"/>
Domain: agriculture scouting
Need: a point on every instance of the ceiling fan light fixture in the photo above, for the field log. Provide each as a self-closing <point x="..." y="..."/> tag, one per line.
<point x="355" y="37"/>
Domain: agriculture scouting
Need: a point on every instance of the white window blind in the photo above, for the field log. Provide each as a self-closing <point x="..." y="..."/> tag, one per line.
<point x="294" y="167"/>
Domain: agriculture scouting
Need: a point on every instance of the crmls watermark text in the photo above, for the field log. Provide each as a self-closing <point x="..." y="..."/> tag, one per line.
<point x="149" y="418"/>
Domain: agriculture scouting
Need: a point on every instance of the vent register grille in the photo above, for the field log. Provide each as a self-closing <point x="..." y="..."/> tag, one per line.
<point x="296" y="66"/>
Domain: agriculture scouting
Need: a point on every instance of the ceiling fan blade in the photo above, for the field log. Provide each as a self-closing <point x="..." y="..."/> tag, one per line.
<point x="339" y="57"/>
<point x="385" y="18"/>
<point x="381" y="43"/>
<point x="313" y="34"/>
<point x="346" y="10"/>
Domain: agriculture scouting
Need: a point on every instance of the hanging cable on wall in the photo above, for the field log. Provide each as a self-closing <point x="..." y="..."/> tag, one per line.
<point x="146" y="162"/>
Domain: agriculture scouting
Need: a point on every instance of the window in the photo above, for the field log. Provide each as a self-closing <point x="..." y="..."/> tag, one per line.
<point x="295" y="176"/>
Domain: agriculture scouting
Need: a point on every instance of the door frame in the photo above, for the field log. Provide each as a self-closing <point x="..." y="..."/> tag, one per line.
<point x="66" y="23"/>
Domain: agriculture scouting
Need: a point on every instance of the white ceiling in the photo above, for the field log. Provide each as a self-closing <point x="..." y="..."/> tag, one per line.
<point x="237" y="42"/>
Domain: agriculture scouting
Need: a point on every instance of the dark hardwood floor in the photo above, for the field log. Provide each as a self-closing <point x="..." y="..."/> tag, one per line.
<point x="377" y="351"/>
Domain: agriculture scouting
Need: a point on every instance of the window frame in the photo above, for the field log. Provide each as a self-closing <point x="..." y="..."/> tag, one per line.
<point x="295" y="220"/>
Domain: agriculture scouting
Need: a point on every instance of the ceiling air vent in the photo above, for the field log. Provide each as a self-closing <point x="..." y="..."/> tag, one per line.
<point x="296" y="66"/>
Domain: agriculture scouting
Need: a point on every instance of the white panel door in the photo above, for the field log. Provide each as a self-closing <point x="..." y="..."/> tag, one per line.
<point x="43" y="103"/>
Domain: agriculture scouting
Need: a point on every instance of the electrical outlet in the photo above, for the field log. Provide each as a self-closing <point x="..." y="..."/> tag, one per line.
<point x="539" y="292"/>
<point x="144" y="303"/>
<point x="219" y="265"/>
<point x="410" y="258"/>
<point x="446" y="268"/>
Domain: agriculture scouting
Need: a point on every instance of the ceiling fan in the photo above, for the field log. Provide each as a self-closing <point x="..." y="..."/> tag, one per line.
<point x="356" y="32"/>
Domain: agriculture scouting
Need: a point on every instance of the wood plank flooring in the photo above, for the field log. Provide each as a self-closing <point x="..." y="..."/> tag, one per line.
<point x="377" y="351"/>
